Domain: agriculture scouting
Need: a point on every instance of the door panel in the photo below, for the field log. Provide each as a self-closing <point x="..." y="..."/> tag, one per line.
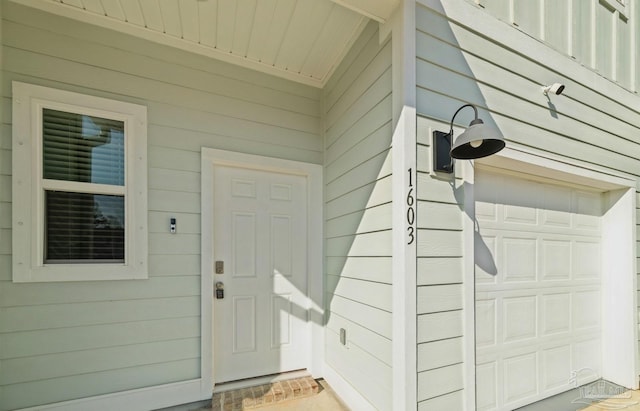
<point x="244" y="324"/>
<point x="260" y="232"/>
<point x="244" y="240"/>
<point x="280" y="320"/>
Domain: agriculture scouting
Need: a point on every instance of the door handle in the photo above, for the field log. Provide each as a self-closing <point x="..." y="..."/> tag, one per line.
<point x="219" y="290"/>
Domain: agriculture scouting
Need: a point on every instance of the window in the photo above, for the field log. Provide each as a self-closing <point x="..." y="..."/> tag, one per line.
<point x="79" y="187"/>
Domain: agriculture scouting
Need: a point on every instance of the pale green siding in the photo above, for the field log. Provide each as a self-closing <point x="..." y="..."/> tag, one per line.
<point x="594" y="32"/>
<point x="357" y="127"/>
<point x="457" y="65"/>
<point x="61" y="341"/>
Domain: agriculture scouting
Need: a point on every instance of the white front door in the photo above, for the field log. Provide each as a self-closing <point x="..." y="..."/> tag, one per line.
<point x="260" y="234"/>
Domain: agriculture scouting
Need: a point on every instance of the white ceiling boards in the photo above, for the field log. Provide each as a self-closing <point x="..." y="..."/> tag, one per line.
<point x="301" y="40"/>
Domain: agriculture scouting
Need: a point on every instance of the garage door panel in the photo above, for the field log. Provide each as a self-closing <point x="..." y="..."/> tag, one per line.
<point x="485" y="255"/>
<point x="519" y="262"/>
<point x="548" y="369"/>
<point x="587" y="260"/>
<point x="500" y="351"/>
<point x="513" y="192"/>
<point x="586" y="314"/>
<point x="556" y="366"/>
<point x="538" y="258"/>
<point x="520" y="377"/>
<point x="556" y="259"/>
<point x="519" y="314"/>
<point x="588" y="364"/>
<point x="486" y="211"/>
<point x="587" y="223"/>
<point x="516" y="314"/>
<point x="487" y="386"/>
<point x="538" y="302"/>
<point x="486" y="321"/>
<point x="555" y="314"/>
<point x="486" y="291"/>
<point x="490" y="189"/>
<point x="560" y="219"/>
<point x="521" y="229"/>
<point x="520" y="215"/>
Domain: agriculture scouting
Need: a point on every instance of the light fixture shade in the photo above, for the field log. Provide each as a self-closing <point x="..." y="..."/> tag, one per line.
<point x="479" y="140"/>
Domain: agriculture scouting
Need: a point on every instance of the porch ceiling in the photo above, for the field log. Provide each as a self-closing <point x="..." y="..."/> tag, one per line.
<point x="301" y="40"/>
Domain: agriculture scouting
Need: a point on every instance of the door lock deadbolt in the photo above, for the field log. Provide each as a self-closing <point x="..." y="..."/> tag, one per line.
<point x="219" y="267"/>
<point x="219" y="290"/>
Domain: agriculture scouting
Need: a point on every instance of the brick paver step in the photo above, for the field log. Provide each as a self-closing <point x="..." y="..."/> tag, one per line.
<point x="264" y="395"/>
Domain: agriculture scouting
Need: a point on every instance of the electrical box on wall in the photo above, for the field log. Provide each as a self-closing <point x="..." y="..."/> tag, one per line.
<point x="172" y="225"/>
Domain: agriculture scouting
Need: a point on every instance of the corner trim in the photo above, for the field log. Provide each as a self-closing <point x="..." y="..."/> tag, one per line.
<point x="404" y="264"/>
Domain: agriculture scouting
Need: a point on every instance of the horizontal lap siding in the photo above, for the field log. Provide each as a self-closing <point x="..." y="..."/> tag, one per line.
<point x="357" y="103"/>
<point x="456" y="65"/>
<point x="60" y="341"/>
<point x="590" y="31"/>
<point x="506" y="87"/>
<point x="102" y="382"/>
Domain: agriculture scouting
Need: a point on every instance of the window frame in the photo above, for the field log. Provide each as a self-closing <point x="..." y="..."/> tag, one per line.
<point x="28" y="196"/>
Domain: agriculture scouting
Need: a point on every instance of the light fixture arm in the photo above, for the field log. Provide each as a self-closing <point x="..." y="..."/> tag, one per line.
<point x="475" y="117"/>
<point x="449" y="168"/>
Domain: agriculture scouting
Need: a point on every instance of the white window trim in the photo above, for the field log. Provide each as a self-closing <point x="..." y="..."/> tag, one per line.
<point x="28" y="191"/>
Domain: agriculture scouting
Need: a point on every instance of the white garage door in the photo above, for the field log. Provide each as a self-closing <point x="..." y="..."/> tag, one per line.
<point x="538" y="305"/>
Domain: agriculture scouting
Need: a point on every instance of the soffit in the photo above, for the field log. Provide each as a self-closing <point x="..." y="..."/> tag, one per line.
<point x="301" y="40"/>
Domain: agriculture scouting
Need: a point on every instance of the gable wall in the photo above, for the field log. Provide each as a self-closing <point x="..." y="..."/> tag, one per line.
<point x="61" y="341"/>
<point x="595" y="123"/>
<point x="357" y="139"/>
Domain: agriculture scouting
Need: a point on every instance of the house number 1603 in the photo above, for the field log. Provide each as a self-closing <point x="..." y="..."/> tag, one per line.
<point x="411" y="211"/>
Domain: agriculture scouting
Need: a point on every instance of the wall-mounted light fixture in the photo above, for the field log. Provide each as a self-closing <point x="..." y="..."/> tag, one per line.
<point x="477" y="141"/>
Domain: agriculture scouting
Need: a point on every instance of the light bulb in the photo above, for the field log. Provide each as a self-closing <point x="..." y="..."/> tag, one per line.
<point x="476" y="143"/>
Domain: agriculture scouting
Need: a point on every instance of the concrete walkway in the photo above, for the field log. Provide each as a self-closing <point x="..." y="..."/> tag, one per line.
<point x="599" y="395"/>
<point x="629" y="401"/>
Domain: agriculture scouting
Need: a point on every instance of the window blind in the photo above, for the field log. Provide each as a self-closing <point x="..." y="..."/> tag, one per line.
<point x="82" y="148"/>
<point x="84" y="227"/>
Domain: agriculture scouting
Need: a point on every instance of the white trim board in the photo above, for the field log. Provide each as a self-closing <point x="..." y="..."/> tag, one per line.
<point x="531" y="161"/>
<point x="142" y="399"/>
<point x="469" y="284"/>
<point x="404" y="263"/>
<point x="213" y="157"/>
